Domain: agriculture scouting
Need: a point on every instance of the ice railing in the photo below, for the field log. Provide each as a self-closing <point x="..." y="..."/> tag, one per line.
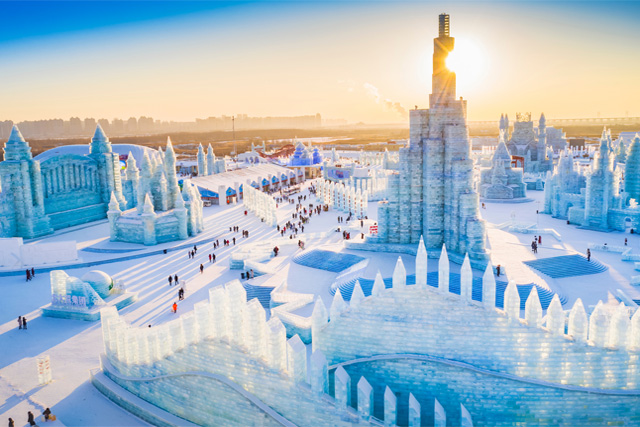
<point x="228" y="317"/>
<point x="613" y="331"/>
<point x="341" y="197"/>
<point x="626" y="254"/>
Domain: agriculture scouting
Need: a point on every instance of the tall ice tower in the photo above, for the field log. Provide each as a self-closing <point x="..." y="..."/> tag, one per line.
<point x="432" y="195"/>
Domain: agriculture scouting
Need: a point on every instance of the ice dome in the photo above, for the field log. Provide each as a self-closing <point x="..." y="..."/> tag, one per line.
<point x="100" y="281"/>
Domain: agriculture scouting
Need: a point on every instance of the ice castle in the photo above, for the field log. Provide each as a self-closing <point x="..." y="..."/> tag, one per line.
<point x="531" y="143"/>
<point x="62" y="191"/>
<point x="501" y="181"/>
<point x="164" y="212"/>
<point x="595" y="200"/>
<point x="432" y="194"/>
<point x="209" y="164"/>
<point x="305" y="156"/>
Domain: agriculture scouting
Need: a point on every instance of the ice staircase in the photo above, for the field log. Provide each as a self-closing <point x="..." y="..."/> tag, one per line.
<point x="262" y="293"/>
<point x="327" y="260"/>
<point x="566" y="266"/>
<point x="545" y="295"/>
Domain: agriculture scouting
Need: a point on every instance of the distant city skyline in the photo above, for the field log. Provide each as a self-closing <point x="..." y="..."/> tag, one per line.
<point x="360" y="61"/>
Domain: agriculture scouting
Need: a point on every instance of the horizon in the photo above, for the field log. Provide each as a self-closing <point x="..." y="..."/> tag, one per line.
<point x="182" y="61"/>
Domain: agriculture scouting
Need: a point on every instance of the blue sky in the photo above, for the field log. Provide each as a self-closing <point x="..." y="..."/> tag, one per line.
<point x="181" y="60"/>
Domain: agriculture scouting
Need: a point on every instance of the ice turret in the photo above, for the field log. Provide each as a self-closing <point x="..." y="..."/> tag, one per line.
<point x="357" y="295"/>
<point x="399" y="279"/>
<point x="555" y="316"/>
<point x="100" y="143"/>
<point x="378" y="285"/>
<point x="578" y="322"/>
<point x="533" y="309"/>
<point x="512" y="300"/>
<point x="443" y="271"/>
<point x="16" y="148"/>
<point x="421" y="264"/>
<point x="466" y="280"/>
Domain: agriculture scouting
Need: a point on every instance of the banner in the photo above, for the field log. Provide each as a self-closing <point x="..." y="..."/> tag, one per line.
<point x="44" y="370"/>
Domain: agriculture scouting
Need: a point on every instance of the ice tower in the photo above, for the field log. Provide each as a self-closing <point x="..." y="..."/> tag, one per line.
<point x="432" y="194"/>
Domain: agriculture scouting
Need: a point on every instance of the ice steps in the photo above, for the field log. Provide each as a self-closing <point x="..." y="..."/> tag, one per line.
<point x="545" y="295"/>
<point x="327" y="260"/>
<point x="566" y="266"/>
<point x="262" y="293"/>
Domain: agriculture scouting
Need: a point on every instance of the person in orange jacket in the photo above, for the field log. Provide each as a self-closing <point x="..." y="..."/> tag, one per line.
<point x="175" y="307"/>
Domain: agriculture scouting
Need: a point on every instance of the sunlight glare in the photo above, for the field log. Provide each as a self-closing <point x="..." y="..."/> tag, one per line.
<point x="468" y="60"/>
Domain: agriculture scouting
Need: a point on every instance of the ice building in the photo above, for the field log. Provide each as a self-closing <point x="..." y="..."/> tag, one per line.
<point x="631" y="168"/>
<point x="305" y="156"/>
<point x="209" y="164"/>
<point x="528" y="142"/>
<point x="594" y="201"/>
<point x="405" y="355"/>
<point x="342" y="197"/>
<point x="432" y="193"/>
<point x="62" y="191"/>
<point x="385" y="159"/>
<point x="501" y="181"/>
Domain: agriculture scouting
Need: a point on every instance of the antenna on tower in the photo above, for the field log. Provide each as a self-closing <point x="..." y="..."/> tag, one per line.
<point x="443" y="27"/>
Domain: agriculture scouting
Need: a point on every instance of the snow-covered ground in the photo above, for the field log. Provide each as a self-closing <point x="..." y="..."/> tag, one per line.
<point x="74" y="346"/>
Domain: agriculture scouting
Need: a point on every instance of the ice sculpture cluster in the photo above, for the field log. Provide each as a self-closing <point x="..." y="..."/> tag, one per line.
<point x="63" y="191"/>
<point x="384" y="159"/>
<point x="433" y="193"/>
<point x="305" y="156"/>
<point x="229" y="339"/>
<point x="81" y="294"/>
<point x="532" y="144"/>
<point x="375" y="183"/>
<point x="208" y="164"/>
<point x="342" y="197"/>
<point x="595" y="201"/>
<point x="260" y="204"/>
<point x="501" y="181"/>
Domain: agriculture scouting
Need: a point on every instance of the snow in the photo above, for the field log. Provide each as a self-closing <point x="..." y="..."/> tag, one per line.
<point x="75" y="346"/>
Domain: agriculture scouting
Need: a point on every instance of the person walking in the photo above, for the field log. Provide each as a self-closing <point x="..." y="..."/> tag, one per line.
<point x="209" y="257"/>
<point x="189" y="254"/>
<point x="11" y="423"/>
<point x="588" y="255"/>
<point x="24" y="322"/>
<point x="539" y="240"/>
<point x="30" y="419"/>
<point x="170" y="280"/>
<point x="214" y="257"/>
<point x="175" y="279"/>
<point x="234" y="241"/>
<point x="201" y="269"/>
<point x="33" y="272"/>
<point x="498" y="270"/>
<point x="625" y="241"/>
<point x="28" y="275"/>
<point x="174" y="307"/>
<point x="19" y="322"/>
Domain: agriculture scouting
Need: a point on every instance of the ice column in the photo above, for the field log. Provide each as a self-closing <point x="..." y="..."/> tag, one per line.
<point x="578" y="322"/>
<point x="555" y="316"/>
<point x="365" y="398"/>
<point x="466" y="280"/>
<point x="489" y="288"/>
<point x="421" y="264"/>
<point x="443" y="270"/>
<point x="319" y="375"/>
<point x="342" y="387"/>
<point x="390" y="407"/>
<point x="439" y="416"/>
<point x="533" y="309"/>
<point x="297" y="359"/>
<point x="414" y="411"/>
<point x="512" y="300"/>
<point x="399" y="279"/>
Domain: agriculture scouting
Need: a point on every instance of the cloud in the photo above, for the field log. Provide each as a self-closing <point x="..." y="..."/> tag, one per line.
<point x="388" y="104"/>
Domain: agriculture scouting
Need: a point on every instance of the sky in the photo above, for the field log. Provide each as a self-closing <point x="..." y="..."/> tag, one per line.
<point x="364" y="61"/>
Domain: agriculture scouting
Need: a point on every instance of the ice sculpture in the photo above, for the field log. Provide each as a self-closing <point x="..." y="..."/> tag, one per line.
<point x="421" y="264"/>
<point x="340" y="197"/>
<point x="378" y="285"/>
<point x="466" y="280"/>
<point x="357" y="295"/>
<point x="489" y="287"/>
<point x="512" y="300"/>
<point x="501" y="181"/>
<point x="533" y="309"/>
<point x="399" y="279"/>
<point x="260" y="204"/>
<point x="578" y="322"/>
<point x="555" y="316"/>
<point x="443" y="271"/>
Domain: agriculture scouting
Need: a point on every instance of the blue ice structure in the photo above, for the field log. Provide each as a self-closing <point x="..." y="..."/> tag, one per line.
<point x="305" y="156"/>
<point x="599" y="203"/>
<point x="405" y="355"/>
<point x="533" y="143"/>
<point x="433" y="193"/>
<point x="62" y="191"/>
<point x="501" y="181"/>
<point x="82" y="299"/>
<point x="208" y="164"/>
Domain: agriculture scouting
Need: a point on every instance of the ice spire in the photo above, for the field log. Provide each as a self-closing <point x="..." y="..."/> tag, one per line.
<point x="466" y="280"/>
<point x="543" y="122"/>
<point x="16" y="148"/>
<point x="421" y="264"/>
<point x="113" y="203"/>
<point x="512" y="300"/>
<point x="211" y="158"/>
<point x="338" y="306"/>
<point x="357" y="295"/>
<point x="378" y="285"/>
<point x="399" y="279"/>
<point x="555" y="316"/>
<point x="533" y="309"/>
<point x="578" y="322"/>
<point x="443" y="270"/>
<point x="202" y="161"/>
<point x="148" y="206"/>
<point x="489" y="288"/>
<point x="100" y="143"/>
<point x="16" y="135"/>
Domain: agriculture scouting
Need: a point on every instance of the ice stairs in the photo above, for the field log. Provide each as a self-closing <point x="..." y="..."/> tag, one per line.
<point x="545" y="295"/>
<point x="566" y="266"/>
<point x="327" y="260"/>
<point x="262" y="293"/>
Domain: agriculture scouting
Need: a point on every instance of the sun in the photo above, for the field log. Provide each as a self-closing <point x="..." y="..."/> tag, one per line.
<point x="469" y="61"/>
